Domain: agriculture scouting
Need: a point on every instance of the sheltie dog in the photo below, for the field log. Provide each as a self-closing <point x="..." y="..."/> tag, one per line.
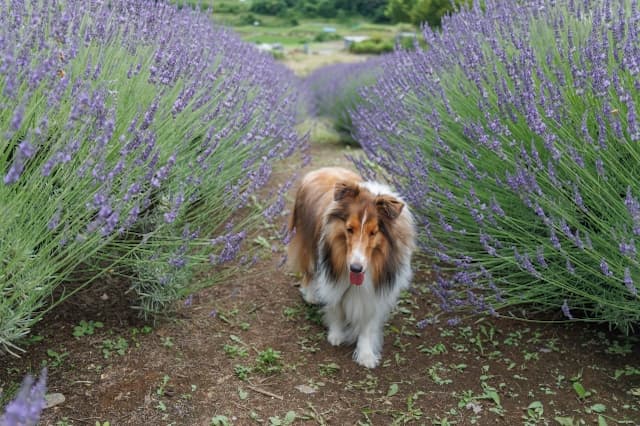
<point x="352" y="243"/>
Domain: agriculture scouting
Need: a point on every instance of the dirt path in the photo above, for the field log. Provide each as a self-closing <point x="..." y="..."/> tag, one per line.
<point x="250" y="352"/>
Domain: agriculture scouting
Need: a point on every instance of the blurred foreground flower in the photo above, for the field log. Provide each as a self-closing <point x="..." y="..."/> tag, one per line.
<point x="28" y="404"/>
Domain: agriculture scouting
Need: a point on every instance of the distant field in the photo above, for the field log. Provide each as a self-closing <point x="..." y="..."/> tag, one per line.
<point x="303" y="64"/>
<point x="309" y="31"/>
<point x="324" y="46"/>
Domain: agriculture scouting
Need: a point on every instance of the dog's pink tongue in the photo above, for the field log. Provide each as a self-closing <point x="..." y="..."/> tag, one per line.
<point x="356" y="278"/>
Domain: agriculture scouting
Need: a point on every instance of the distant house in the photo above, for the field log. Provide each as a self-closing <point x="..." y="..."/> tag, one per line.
<point x="349" y="40"/>
<point x="328" y="30"/>
<point x="407" y="34"/>
<point x="265" y="47"/>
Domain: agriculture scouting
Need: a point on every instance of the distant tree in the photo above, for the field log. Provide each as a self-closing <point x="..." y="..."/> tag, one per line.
<point x="432" y="11"/>
<point x="268" y="7"/>
<point x="307" y="8"/>
<point x="371" y="9"/>
<point x="418" y="12"/>
<point x="327" y="9"/>
<point x="399" y="10"/>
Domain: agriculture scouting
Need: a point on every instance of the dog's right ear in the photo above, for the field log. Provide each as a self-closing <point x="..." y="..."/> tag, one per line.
<point x="343" y="190"/>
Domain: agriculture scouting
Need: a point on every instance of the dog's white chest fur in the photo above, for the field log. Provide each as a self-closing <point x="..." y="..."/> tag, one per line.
<point x="356" y="313"/>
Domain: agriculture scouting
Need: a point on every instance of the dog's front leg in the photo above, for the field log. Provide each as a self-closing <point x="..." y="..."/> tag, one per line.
<point x="334" y="320"/>
<point x="369" y="347"/>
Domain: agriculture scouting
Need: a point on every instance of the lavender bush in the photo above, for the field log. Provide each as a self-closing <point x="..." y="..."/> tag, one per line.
<point x="28" y="403"/>
<point x="333" y="92"/>
<point x="514" y="136"/>
<point x="133" y="136"/>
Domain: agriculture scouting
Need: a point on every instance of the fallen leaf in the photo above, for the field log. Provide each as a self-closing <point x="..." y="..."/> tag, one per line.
<point x="564" y="421"/>
<point x="477" y="408"/>
<point x="306" y="389"/>
<point x="393" y="389"/>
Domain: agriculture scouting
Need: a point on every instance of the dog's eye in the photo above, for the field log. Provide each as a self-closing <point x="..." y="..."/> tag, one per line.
<point x="373" y="233"/>
<point x="350" y="230"/>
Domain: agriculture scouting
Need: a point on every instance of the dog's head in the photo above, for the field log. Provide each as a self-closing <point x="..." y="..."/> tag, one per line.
<point x="361" y="236"/>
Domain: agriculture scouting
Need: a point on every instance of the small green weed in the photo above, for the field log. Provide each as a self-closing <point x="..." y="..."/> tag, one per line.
<point x="411" y="413"/>
<point x="330" y="369"/>
<point x="220" y="420"/>
<point x="291" y="312"/>
<point x="533" y="414"/>
<point x="160" y="391"/>
<point x="288" y="419"/>
<point x="111" y="346"/>
<point x="235" y="351"/>
<point x="238" y="349"/>
<point x="86" y="328"/>
<point x="626" y="371"/>
<point x="56" y="358"/>
<point x="437" y="349"/>
<point x="242" y="372"/>
<point x="617" y="348"/>
<point x="269" y="361"/>
<point x="434" y="371"/>
<point x="312" y="313"/>
<point x="368" y="385"/>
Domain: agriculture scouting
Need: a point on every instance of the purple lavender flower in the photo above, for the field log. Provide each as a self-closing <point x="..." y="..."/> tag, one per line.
<point x="188" y="301"/>
<point x="422" y="324"/>
<point x="454" y="321"/>
<point x="565" y="310"/>
<point x="25" y="409"/>
<point x="17" y="118"/>
<point x="604" y="267"/>
<point x="628" y="282"/>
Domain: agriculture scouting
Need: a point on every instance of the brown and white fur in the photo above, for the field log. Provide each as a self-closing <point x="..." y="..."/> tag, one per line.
<point x="352" y="243"/>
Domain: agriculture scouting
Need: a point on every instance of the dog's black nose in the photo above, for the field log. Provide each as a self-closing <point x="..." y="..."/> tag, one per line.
<point x="355" y="268"/>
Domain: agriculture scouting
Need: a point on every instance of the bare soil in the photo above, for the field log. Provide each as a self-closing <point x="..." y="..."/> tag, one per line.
<point x="303" y="63"/>
<point x="250" y="351"/>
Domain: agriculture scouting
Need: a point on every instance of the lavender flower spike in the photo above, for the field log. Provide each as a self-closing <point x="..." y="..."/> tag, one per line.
<point x="565" y="310"/>
<point x="25" y="409"/>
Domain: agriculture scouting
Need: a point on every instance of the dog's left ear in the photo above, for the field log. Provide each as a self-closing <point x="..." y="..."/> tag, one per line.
<point x="344" y="190"/>
<point x="388" y="206"/>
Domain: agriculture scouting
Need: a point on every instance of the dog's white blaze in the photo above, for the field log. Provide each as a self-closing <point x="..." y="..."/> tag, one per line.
<point x="357" y="254"/>
<point x="364" y="220"/>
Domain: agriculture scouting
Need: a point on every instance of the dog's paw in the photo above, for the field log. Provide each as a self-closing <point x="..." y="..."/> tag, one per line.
<point x="366" y="359"/>
<point x="335" y="336"/>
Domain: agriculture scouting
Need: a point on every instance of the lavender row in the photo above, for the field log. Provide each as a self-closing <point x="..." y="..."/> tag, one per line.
<point x="133" y="134"/>
<point x="333" y="92"/>
<point x="514" y="135"/>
